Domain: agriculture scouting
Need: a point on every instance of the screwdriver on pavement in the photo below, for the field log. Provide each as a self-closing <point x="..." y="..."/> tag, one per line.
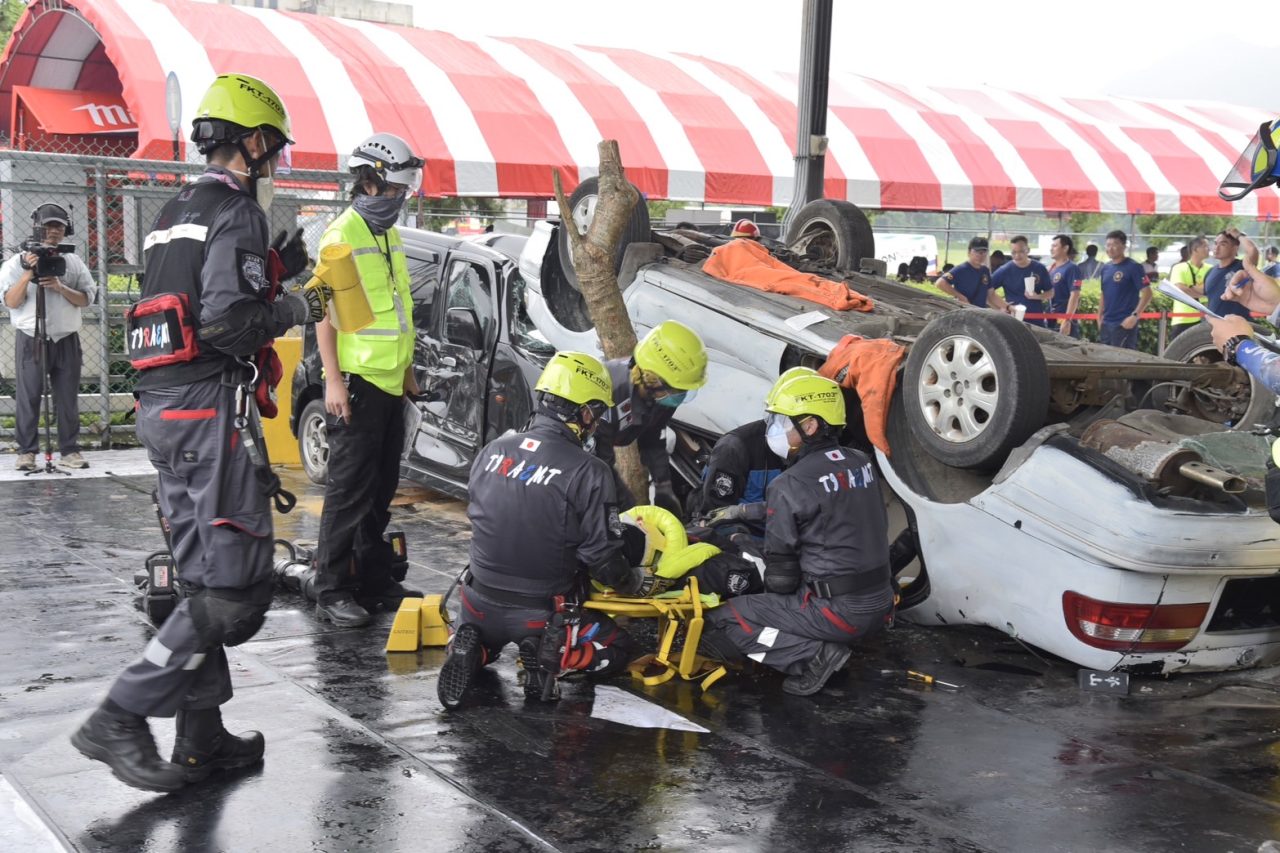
<point x="912" y="675"/>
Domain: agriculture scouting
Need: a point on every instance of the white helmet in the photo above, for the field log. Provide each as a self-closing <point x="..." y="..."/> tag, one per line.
<point x="391" y="160"/>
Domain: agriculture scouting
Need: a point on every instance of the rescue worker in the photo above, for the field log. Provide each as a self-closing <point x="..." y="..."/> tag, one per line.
<point x="741" y="466"/>
<point x="209" y="273"/>
<point x="826" y="550"/>
<point x="667" y="368"/>
<point x="366" y="377"/>
<point x="1258" y="166"/>
<point x="544" y="519"/>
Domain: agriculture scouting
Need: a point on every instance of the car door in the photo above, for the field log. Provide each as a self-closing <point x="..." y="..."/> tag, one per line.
<point x="454" y="369"/>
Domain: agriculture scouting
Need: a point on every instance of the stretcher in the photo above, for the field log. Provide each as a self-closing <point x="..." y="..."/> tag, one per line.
<point x="673" y="610"/>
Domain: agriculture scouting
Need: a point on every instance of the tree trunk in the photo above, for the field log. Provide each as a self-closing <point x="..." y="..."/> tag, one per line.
<point x="593" y="256"/>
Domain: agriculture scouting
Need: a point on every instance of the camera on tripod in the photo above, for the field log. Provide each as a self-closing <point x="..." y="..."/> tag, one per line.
<point x="49" y="261"/>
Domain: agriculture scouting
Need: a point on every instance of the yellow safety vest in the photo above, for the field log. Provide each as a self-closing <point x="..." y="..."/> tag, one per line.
<point x="1178" y="275"/>
<point x="382" y="352"/>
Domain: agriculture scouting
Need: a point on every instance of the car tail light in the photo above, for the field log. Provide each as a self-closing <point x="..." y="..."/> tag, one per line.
<point x="1132" y="627"/>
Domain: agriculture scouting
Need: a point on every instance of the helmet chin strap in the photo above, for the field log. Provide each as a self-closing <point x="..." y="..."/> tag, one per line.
<point x="255" y="164"/>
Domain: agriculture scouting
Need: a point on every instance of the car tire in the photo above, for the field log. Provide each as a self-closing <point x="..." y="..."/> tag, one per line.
<point x="582" y="203"/>
<point x="313" y="446"/>
<point x="975" y="387"/>
<point x="832" y="233"/>
<point x="1195" y="345"/>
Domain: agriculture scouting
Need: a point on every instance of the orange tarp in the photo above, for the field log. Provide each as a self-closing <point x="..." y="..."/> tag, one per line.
<point x="870" y="367"/>
<point x="749" y="264"/>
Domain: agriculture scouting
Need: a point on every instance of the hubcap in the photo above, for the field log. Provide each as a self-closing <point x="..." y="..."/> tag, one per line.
<point x="315" y="443"/>
<point x="959" y="389"/>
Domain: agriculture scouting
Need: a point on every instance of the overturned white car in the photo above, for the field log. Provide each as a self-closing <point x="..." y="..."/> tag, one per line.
<point x="1047" y="502"/>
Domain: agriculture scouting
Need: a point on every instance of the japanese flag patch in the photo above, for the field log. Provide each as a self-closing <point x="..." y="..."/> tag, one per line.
<point x="835" y="455"/>
<point x="530" y="444"/>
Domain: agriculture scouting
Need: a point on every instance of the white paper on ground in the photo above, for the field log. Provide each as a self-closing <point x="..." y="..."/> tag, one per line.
<point x="618" y="706"/>
<point x="801" y="322"/>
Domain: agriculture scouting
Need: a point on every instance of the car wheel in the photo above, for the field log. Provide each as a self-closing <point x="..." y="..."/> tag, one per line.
<point x="313" y="444"/>
<point x="833" y="233"/>
<point x="1244" y="403"/>
<point x="976" y="386"/>
<point x="582" y="204"/>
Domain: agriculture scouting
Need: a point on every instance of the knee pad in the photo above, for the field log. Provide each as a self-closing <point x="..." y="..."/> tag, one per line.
<point x="229" y="617"/>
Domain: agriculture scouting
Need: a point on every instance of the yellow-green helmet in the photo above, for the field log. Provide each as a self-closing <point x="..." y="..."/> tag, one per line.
<point x="789" y="373"/>
<point x="801" y="395"/>
<point x="233" y="104"/>
<point x="674" y="353"/>
<point x="578" y="378"/>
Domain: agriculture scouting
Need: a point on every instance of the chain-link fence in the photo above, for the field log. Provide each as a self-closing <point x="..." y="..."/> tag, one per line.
<point x="112" y="202"/>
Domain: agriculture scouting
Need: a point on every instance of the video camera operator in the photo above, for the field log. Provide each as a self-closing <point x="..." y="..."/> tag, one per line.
<point x="45" y="262"/>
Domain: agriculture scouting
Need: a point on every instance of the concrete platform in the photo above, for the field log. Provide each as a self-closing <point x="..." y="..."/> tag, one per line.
<point x="360" y="755"/>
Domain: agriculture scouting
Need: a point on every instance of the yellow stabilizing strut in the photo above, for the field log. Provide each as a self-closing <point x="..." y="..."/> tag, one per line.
<point x="670" y="611"/>
<point x="349" y="309"/>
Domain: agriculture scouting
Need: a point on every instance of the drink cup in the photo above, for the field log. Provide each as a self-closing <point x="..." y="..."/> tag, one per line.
<point x="1030" y="282"/>
<point x="1020" y="311"/>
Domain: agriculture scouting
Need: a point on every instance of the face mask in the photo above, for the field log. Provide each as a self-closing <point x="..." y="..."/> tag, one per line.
<point x="776" y="437"/>
<point x="379" y="212"/>
<point x="264" y="190"/>
<point x="671" y="401"/>
<point x="264" y="187"/>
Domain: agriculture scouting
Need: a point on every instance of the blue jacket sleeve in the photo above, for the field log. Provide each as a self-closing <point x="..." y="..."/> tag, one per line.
<point x="1261" y="363"/>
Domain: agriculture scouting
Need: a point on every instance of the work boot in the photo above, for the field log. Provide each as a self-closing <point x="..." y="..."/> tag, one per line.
<point x="388" y="596"/>
<point x="73" y="460"/>
<point x="466" y="656"/>
<point x="26" y="462"/>
<point x="823" y="665"/>
<point x="203" y="745"/>
<point x="343" y="612"/>
<point x="539" y="685"/>
<point x="123" y="742"/>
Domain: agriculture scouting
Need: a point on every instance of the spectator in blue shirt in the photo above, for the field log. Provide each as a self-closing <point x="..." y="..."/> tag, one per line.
<point x="1125" y="293"/>
<point x="971" y="282"/>
<point x="1065" y="277"/>
<point x="1225" y="248"/>
<point x="1014" y="276"/>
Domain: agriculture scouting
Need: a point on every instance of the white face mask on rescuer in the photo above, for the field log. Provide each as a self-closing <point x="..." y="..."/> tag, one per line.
<point x="775" y="435"/>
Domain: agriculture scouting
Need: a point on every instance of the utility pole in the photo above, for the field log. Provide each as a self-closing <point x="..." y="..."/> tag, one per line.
<point x="811" y="106"/>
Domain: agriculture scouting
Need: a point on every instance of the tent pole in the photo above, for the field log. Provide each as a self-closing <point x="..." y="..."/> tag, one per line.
<point x="811" y="106"/>
<point x="946" y="252"/>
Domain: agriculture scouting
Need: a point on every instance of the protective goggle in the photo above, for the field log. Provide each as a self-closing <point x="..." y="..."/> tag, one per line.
<point x="1256" y="166"/>
<point x="663" y="394"/>
<point x="777" y="423"/>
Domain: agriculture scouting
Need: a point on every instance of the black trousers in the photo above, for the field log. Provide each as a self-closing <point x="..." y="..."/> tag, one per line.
<point x="364" y="470"/>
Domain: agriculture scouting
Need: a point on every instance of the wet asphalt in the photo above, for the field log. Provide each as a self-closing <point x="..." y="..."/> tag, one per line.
<point x="360" y="755"/>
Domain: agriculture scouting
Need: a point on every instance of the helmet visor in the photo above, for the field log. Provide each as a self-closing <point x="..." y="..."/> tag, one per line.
<point x="1254" y="168"/>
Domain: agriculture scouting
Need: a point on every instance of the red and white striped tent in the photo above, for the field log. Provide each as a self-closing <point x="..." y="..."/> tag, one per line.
<point x="493" y="116"/>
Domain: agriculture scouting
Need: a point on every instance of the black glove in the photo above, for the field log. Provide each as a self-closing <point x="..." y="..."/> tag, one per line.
<point x="665" y="496"/>
<point x="737" y="512"/>
<point x="292" y="252"/>
<point x="306" y="306"/>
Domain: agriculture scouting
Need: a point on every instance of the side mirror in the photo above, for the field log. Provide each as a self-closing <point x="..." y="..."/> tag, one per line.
<point x="462" y="327"/>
